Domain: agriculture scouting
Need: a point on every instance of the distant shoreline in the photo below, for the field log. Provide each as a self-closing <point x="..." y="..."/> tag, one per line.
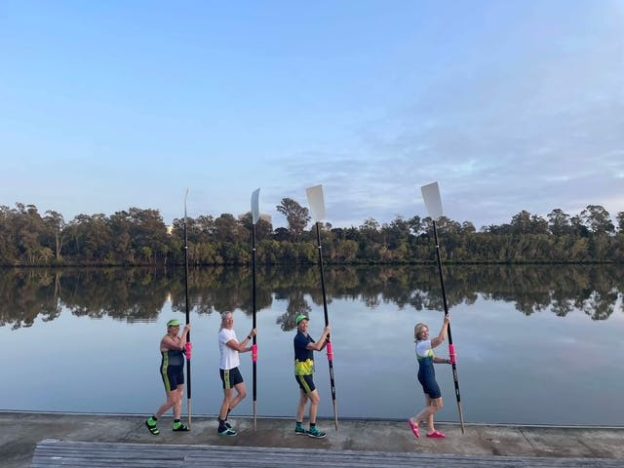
<point x="303" y="264"/>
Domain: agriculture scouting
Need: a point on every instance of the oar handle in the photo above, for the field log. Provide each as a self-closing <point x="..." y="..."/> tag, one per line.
<point x="452" y="354"/>
<point x="188" y="350"/>
<point x="254" y="353"/>
<point x="330" y="351"/>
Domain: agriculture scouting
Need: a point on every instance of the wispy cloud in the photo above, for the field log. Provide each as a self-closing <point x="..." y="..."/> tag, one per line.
<point x="542" y="130"/>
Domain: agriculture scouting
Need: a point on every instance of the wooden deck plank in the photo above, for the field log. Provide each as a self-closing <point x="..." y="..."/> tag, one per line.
<point x="64" y="454"/>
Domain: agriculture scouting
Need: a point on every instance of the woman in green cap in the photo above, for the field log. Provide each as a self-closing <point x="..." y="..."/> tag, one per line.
<point x="172" y="349"/>
<point x="304" y="374"/>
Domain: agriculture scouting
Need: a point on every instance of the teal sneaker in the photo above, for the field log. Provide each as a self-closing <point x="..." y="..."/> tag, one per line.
<point x="300" y="430"/>
<point x="316" y="434"/>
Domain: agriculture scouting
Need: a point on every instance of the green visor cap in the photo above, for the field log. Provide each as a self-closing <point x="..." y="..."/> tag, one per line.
<point x="301" y="318"/>
<point x="173" y="323"/>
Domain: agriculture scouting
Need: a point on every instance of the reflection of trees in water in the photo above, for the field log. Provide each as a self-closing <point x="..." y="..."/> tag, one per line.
<point x="221" y="289"/>
<point x="289" y="287"/>
<point x="599" y="306"/>
<point x="25" y="296"/>
<point x="132" y="295"/>
<point x="296" y="305"/>
<point x="140" y="294"/>
<point x="560" y="289"/>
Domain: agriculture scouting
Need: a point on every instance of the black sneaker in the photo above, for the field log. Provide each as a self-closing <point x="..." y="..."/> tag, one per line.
<point x="227" y="431"/>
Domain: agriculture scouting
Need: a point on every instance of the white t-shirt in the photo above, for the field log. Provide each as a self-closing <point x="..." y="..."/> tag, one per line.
<point x="229" y="357"/>
<point x="423" y="349"/>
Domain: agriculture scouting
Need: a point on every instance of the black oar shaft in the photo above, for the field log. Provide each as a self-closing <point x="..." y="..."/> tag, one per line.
<point x="450" y="336"/>
<point x="439" y="260"/>
<point x="253" y="282"/>
<point x="188" y="319"/>
<point x="331" y="358"/>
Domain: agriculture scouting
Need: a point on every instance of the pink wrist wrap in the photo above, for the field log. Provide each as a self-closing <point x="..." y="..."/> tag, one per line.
<point x="330" y="352"/>
<point x="452" y="354"/>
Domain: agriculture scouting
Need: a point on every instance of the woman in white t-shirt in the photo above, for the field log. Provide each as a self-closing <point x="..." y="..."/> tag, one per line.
<point x="426" y="377"/>
<point x="229" y="347"/>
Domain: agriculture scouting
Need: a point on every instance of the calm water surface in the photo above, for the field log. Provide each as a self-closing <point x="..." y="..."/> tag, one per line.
<point x="535" y="344"/>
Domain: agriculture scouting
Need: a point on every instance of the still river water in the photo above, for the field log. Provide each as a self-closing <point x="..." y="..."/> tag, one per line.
<point x="536" y="344"/>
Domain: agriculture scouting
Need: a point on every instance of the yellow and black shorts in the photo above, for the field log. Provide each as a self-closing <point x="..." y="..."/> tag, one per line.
<point x="306" y="383"/>
<point x="230" y="377"/>
<point x="173" y="377"/>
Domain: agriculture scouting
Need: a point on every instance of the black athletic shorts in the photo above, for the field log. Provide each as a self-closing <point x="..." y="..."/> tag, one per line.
<point x="230" y="377"/>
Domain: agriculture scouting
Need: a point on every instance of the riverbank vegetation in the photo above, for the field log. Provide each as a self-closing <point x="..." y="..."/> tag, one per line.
<point x="140" y="237"/>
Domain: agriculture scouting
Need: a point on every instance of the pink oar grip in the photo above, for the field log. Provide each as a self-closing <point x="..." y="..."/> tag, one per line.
<point x="254" y="353"/>
<point x="188" y="350"/>
<point x="330" y="352"/>
<point x="452" y="354"/>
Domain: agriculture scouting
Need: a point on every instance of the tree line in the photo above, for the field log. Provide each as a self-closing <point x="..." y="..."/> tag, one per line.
<point x="141" y="237"/>
<point x="139" y="294"/>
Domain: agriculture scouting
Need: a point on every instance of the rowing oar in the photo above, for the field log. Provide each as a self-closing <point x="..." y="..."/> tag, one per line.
<point x="189" y="346"/>
<point x="317" y="207"/>
<point x="255" y="216"/>
<point x="433" y="202"/>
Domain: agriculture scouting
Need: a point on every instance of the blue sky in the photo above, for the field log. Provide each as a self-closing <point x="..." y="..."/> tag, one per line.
<point x="510" y="105"/>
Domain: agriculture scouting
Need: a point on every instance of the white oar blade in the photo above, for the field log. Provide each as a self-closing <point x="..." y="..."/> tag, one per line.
<point x="255" y="206"/>
<point x="433" y="201"/>
<point x="316" y="200"/>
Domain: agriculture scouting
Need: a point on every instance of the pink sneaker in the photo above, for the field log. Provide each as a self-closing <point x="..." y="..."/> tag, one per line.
<point x="437" y="435"/>
<point x="415" y="428"/>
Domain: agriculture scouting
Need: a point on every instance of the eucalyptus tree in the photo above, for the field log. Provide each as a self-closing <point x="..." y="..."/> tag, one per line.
<point x="55" y="224"/>
<point x="8" y="237"/>
<point x="264" y="228"/>
<point x="526" y="223"/>
<point x="297" y="216"/>
<point x="559" y="222"/>
<point x="89" y="239"/>
<point x="620" y="221"/>
<point x="29" y="229"/>
<point x="397" y="232"/>
<point x="597" y="220"/>
<point x="227" y="229"/>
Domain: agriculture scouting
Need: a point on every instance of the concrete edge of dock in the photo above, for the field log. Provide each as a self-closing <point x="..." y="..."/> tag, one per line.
<point x="21" y="431"/>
